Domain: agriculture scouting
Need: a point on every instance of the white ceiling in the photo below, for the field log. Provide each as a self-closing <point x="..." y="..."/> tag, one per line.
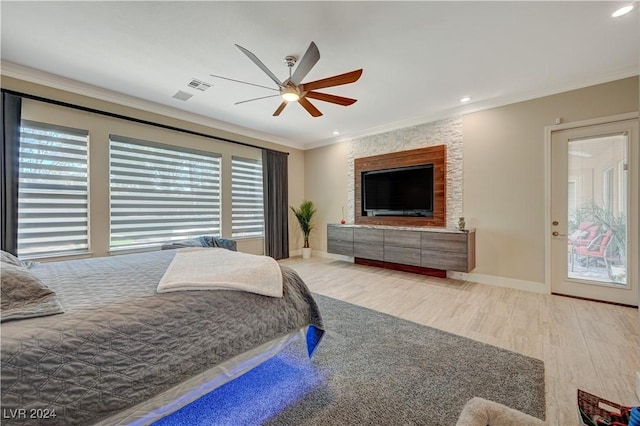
<point x="419" y="58"/>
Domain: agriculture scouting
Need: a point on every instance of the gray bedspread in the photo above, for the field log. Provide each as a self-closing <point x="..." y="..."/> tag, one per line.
<point x="119" y="342"/>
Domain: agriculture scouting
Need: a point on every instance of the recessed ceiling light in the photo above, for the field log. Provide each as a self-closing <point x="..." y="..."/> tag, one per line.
<point x="465" y="99"/>
<point x="336" y="133"/>
<point x="622" y="11"/>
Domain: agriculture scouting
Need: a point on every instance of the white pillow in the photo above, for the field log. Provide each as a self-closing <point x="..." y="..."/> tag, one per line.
<point x="23" y="295"/>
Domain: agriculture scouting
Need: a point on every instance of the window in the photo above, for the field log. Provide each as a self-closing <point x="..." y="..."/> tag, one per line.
<point x="52" y="191"/>
<point x="161" y="193"/>
<point x="247" y="216"/>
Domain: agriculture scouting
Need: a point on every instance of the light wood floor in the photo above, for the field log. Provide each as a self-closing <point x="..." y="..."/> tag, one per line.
<point x="587" y="345"/>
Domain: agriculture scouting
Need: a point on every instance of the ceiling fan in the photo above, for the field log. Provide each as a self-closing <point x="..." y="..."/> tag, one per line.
<point x="292" y="89"/>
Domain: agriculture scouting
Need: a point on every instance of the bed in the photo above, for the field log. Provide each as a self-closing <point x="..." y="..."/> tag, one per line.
<point x="123" y="354"/>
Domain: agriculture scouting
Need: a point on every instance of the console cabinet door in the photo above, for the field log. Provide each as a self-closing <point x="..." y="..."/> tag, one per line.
<point x="449" y="242"/>
<point x="340" y="240"/>
<point x="395" y="238"/>
<point x="446" y="251"/>
<point x="368" y="236"/>
<point x="448" y="261"/>
<point x="368" y="243"/>
<point x="368" y="251"/>
<point x="403" y="255"/>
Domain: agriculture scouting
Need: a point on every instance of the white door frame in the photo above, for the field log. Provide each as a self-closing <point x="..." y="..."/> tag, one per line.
<point x="547" y="186"/>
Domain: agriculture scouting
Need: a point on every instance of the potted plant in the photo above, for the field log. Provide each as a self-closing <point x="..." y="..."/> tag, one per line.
<point x="304" y="214"/>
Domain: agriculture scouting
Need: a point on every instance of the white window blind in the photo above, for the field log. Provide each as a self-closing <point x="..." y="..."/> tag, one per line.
<point x="52" y="191"/>
<point x="247" y="216"/>
<point x="161" y="193"/>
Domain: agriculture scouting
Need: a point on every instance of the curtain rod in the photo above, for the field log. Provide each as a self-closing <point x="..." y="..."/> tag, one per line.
<point x="135" y="120"/>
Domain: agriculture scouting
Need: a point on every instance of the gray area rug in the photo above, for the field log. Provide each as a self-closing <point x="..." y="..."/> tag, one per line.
<point x="372" y="369"/>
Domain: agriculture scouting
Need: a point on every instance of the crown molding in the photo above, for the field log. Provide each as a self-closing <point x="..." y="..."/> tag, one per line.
<point x="481" y="106"/>
<point x="31" y="75"/>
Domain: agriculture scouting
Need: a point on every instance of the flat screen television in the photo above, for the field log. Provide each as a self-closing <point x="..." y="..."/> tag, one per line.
<point x="405" y="191"/>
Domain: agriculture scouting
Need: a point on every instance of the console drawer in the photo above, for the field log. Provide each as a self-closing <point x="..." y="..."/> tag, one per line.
<point x="448" y="261"/>
<point x="340" y="247"/>
<point x="449" y="242"/>
<point x="339" y="233"/>
<point x="369" y="236"/>
<point x="409" y="239"/>
<point x="368" y="251"/>
<point x="403" y="255"/>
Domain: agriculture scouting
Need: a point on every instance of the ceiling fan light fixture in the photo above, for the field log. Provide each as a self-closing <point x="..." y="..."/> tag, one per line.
<point x="290" y="96"/>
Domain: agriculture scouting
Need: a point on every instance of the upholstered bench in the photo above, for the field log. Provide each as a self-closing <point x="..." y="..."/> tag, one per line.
<point x="204" y="241"/>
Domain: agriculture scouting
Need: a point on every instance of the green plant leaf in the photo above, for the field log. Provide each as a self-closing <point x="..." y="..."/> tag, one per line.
<point x="304" y="215"/>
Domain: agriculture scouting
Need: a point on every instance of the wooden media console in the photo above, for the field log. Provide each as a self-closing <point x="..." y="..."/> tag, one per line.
<point x="424" y="250"/>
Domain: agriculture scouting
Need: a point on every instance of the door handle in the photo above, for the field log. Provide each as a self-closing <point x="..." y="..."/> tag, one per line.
<point x="557" y="234"/>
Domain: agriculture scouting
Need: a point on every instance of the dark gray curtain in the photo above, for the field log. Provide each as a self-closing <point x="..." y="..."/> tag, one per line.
<point x="11" y="113"/>
<point x="276" y="204"/>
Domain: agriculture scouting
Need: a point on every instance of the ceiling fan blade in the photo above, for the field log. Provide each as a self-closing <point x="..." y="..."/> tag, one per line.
<point x="243" y="82"/>
<point x="309" y="107"/>
<point x="259" y="63"/>
<point x="336" y="80"/>
<point x="280" y="108"/>
<point x="331" y="98"/>
<point x="309" y="59"/>
<point x="255" y="99"/>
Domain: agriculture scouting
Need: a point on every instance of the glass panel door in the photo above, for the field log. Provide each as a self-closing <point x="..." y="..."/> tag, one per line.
<point x="597" y="210"/>
<point x="594" y="212"/>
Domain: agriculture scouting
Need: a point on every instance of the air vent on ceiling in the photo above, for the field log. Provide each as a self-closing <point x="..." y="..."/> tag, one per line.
<point x="183" y="96"/>
<point x="198" y="84"/>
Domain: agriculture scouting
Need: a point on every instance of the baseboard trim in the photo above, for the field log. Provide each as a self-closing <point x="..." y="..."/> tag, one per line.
<point x="333" y="256"/>
<point x="293" y="253"/>
<point x="320" y="253"/>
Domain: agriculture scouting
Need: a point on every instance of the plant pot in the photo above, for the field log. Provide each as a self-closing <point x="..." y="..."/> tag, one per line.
<point x="306" y="252"/>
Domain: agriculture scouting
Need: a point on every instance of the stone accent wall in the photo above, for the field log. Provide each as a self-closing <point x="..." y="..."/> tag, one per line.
<point x="444" y="132"/>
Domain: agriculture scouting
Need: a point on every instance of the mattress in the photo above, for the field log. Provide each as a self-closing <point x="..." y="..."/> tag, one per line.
<point x="119" y="343"/>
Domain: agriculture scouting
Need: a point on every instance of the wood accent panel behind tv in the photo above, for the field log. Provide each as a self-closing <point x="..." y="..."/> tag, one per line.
<point x="436" y="155"/>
